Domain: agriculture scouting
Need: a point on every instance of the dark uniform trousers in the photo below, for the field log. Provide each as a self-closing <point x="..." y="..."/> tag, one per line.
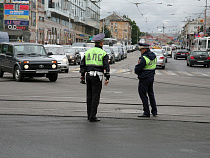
<point x="94" y="86"/>
<point x="146" y="87"/>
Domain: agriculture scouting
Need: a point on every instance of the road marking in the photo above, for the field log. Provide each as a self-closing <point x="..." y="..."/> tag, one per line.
<point x="172" y="73"/>
<point x="185" y="73"/>
<point x="157" y="72"/>
<point x="200" y="74"/>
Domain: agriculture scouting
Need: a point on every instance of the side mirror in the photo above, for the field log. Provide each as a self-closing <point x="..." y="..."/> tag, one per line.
<point x="49" y="53"/>
<point x="9" y="53"/>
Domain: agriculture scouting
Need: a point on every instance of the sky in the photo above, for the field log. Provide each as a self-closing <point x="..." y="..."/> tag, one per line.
<point x="152" y="15"/>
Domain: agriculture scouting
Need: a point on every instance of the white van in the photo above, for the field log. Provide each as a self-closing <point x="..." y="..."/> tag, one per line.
<point x="168" y="50"/>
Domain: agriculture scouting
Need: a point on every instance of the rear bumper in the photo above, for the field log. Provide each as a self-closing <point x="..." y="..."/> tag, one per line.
<point x="200" y="62"/>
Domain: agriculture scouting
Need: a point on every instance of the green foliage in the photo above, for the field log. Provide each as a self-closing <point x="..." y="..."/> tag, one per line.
<point x="135" y="31"/>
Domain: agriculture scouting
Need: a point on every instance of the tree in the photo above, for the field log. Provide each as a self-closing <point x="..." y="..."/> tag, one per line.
<point x="135" y="33"/>
<point x="107" y="32"/>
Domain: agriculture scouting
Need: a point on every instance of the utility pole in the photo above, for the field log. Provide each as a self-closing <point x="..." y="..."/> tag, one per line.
<point x="205" y="19"/>
<point x="36" y="21"/>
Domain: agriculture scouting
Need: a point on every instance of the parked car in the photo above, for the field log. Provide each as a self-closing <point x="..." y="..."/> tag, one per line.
<point x="26" y="60"/>
<point x="198" y="58"/>
<point x="73" y="55"/>
<point x="122" y="49"/>
<point x="117" y="53"/>
<point x="110" y="53"/>
<point x="181" y="53"/>
<point x="79" y="44"/>
<point x="168" y="50"/>
<point x="161" y="59"/>
<point x="57" y="52"/>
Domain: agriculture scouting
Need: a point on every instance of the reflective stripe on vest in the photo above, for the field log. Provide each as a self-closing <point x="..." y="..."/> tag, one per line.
<point x="94" y="56"/>
<point x="150" y="64"/>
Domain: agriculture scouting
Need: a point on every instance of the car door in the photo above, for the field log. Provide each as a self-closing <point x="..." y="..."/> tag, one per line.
<point x="9" y="59"/>
<point x="2" y="57"/>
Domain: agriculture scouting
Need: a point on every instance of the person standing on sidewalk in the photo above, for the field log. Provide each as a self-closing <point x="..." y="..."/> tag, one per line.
<point x="94" y="65"/>
<point x="145" y="69"/>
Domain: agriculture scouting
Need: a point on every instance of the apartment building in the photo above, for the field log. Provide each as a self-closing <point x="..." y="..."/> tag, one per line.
<point x="120" y="27"/>
<point x="55" y="21"/>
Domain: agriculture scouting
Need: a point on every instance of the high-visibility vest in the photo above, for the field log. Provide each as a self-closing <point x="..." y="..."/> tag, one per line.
<point x="94" y="56"/>
<point x="150" y="64"/>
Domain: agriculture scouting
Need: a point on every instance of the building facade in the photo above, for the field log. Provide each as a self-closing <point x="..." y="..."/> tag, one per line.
<point x="57" y="21"/>
<point x="191" y="30"/>
<point x="120" y="27"/>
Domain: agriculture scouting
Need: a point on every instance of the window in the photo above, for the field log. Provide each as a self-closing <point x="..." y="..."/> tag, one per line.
<point x="115" y="30"/>
<point x="126" y="30"/>
<point x="33" y="19"/>
<point x="4" y="48"/>
<point x="10" y="49"/>
<point x="115" y="24"/>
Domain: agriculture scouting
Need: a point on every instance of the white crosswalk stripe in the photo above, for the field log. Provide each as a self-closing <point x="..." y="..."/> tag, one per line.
<point x="158" y="72"/>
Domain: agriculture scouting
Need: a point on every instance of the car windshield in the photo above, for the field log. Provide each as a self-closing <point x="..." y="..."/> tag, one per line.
<point x="158" y="52"/>
<point x="79" y="44"/>
<point x="30" y="50"/>
<point x="199" y="53"/>
<point x="55" y="50"/>
<point x="70" y="51"/>
<point x="107" y="51"/>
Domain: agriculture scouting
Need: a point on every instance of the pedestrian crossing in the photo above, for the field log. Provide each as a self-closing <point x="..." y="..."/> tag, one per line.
<point x="158" y="72"/>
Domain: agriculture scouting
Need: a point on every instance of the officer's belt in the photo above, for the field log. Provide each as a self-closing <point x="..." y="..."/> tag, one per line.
<point x="148" y="69"/>
<point x="96" y="73"/>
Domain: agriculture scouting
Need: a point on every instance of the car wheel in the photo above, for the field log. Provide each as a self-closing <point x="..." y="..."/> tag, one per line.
<point x="190" y="64"/>
<point x="163" y="67"/>
<point x="18" y="75"/>
<point x="53" y="77"/>
<point x="207" y="65"/>
<point x="1" y="73"/>
<point x="67" y="70"/>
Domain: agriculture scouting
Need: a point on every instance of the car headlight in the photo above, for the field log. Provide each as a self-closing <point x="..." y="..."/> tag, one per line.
<point x="26" y="66"/>
<point x="54" y="66"/>
<point x="65" y="60"/>
<point x="71" y="57"/>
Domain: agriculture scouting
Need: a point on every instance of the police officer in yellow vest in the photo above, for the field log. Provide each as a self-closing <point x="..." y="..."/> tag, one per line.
<point x="145" y="69"/>
<point x="95" y="65"/>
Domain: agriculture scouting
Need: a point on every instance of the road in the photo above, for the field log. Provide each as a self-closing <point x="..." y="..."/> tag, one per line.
<point x="44" y="119"/>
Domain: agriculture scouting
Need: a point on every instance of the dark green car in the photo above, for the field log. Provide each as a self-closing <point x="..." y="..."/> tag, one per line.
<point x="26" y="60"/>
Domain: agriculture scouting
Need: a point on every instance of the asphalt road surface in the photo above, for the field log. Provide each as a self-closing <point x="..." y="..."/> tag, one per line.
<point x="43" y="119"/>
<point x="73" y="137"/>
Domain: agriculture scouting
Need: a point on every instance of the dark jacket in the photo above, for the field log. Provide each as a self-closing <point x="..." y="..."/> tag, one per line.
<point x="84" y="68"/>
<point x="139" y="67"/>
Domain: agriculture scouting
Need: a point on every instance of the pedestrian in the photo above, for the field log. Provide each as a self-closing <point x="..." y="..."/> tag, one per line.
<point x="145" y="69"/>
<point x="94" y="65"/>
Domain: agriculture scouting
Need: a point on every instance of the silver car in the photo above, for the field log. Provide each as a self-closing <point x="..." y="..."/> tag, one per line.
<point x="161" y="59"/>
<point x="57" y="52"/>
<point x="117" y="53"/>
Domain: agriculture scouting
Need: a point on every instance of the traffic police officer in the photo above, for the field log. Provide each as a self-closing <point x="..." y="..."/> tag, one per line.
<point x="94" y="65"/>
<point x="145" y="69"/>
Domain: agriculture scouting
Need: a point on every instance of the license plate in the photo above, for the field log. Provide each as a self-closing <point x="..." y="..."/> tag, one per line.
<point x="183" y="54"/>
<point x="42" y="71"/>
<point x="200" y="61"/>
